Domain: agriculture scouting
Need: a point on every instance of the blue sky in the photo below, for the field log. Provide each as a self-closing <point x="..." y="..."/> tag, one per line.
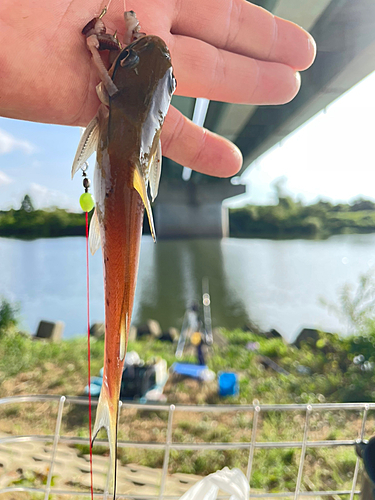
<point x="330" y="157"/>
<point x="36" y="158"/>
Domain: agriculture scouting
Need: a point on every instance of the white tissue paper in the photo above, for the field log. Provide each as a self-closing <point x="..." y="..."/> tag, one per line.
<point x="233" y="482"/>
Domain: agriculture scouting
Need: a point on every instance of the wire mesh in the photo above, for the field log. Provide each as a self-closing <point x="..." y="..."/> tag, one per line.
<point x="170" y="444"/>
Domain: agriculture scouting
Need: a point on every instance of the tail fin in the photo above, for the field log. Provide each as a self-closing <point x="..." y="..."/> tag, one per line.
<point x="107" y="417"/>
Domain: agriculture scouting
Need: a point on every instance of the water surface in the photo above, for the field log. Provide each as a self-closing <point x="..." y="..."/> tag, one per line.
<point x="275" y="283"/>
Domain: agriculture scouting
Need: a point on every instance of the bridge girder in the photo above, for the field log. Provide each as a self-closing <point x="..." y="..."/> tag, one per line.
<point x="345" y="34"/>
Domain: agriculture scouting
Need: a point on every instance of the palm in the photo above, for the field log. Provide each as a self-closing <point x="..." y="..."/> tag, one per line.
<point x="48" y="76"/>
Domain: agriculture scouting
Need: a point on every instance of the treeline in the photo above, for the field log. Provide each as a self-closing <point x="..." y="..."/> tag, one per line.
<point x="30" y="223"/>
<point x="27" y="222"/>
<point x="290" y="219"/>
<point x="287" y="219"/>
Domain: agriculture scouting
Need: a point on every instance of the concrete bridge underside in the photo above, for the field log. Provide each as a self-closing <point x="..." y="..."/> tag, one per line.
<point x="345" y="34"/>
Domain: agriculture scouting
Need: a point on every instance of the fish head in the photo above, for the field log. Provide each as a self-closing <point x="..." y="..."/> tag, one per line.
<point x="143" y="75"/>
<point x="139" y="71"/>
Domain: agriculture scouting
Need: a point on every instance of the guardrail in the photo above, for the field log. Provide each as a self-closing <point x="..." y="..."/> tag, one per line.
<point x="169" y="444"/>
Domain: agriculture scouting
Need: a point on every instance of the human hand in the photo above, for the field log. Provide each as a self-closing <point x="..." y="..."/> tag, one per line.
<point x="226" y="50"/>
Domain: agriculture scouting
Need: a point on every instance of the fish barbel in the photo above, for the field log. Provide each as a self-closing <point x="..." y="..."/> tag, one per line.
<point x="126" y="136"/>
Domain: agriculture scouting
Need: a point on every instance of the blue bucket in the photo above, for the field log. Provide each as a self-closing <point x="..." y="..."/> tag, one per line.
<point x="228" y="384"/>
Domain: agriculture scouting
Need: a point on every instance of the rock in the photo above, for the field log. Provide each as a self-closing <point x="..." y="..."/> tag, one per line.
<point x="152" y="327"/>
<point x="308" y="335"/>
<point x="97" y="330"/>
<point x="272" y="334"/>
<point x="50" y="331"/>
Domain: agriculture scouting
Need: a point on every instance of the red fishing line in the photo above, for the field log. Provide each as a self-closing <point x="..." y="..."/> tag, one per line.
<point x="88" y="346"/>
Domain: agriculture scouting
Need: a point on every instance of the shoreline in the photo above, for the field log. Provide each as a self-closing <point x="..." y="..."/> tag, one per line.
<point x="284" y="221"/>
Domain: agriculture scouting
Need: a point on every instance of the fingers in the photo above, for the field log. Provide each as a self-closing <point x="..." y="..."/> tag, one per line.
<point x="241" y="27"/>
<point x="198" y="148"/>
<point x="204" y="71"/>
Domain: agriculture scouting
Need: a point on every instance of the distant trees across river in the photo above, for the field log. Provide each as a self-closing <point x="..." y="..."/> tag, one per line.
<point x="27" y="222"/>
<point x="286" y="219"/>
<point x="290" y="219"/>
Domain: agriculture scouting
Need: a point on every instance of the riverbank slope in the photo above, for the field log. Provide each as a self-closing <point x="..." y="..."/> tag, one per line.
<point x="331" y="372"/>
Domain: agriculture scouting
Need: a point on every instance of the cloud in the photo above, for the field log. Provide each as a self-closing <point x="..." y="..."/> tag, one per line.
<point x="5" y="179"/>
<point x="9" y="143"/>
<point x="44" y="197"/>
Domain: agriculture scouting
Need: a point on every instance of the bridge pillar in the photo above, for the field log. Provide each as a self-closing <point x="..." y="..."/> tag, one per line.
<point x="193" y="210"/>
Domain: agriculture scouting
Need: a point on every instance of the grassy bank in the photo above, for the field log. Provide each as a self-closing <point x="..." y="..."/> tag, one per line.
<point x="334" y="370"/>
<point x="289" y="219"/>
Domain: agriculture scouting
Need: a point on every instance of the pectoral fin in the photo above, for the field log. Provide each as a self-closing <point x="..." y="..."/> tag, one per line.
<point x="140" y="185"/>
<point x="87" y="145"/>
<point x="94" y="234"/>
<point x="155" y="172"/>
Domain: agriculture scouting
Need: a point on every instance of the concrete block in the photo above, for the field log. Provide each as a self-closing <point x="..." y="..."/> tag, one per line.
<point x="50" y="331"/>
<point x="154" y="327"/>
<point x="308" y="335"/>
<point x="97" y="330"/>
<point x="151" y="327"/>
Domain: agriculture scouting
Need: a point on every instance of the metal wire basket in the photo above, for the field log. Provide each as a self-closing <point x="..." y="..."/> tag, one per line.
<point x="249" y="447"/>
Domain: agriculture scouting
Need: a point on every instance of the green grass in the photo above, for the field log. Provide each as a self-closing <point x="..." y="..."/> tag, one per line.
<point x="42" y="367"/>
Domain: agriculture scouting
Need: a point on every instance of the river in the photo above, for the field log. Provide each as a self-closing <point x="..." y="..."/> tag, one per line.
<point x="275" y="283"/>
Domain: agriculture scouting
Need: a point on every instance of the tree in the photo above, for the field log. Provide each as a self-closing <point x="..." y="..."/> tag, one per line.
<point x="27" y="204"/>
<point x="279" y="186"/>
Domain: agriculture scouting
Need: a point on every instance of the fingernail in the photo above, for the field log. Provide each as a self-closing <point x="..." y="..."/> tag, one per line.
<point x="238" y="156"/>
<point x="297" y="75"/>
<point x="311" y="45"/>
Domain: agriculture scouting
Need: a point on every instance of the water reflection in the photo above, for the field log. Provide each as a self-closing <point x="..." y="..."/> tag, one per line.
<point x="174" y="281"/>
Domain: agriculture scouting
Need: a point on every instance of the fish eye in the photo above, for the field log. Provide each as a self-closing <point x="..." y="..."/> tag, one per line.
<point x="128" y="58"/>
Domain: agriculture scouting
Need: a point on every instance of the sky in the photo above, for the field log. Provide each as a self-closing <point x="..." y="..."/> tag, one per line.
<point x="36" y="159"/>
<point x="330" y="157"/>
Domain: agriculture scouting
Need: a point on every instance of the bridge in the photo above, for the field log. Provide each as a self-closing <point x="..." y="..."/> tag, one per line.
<point x="345" y="34"/>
